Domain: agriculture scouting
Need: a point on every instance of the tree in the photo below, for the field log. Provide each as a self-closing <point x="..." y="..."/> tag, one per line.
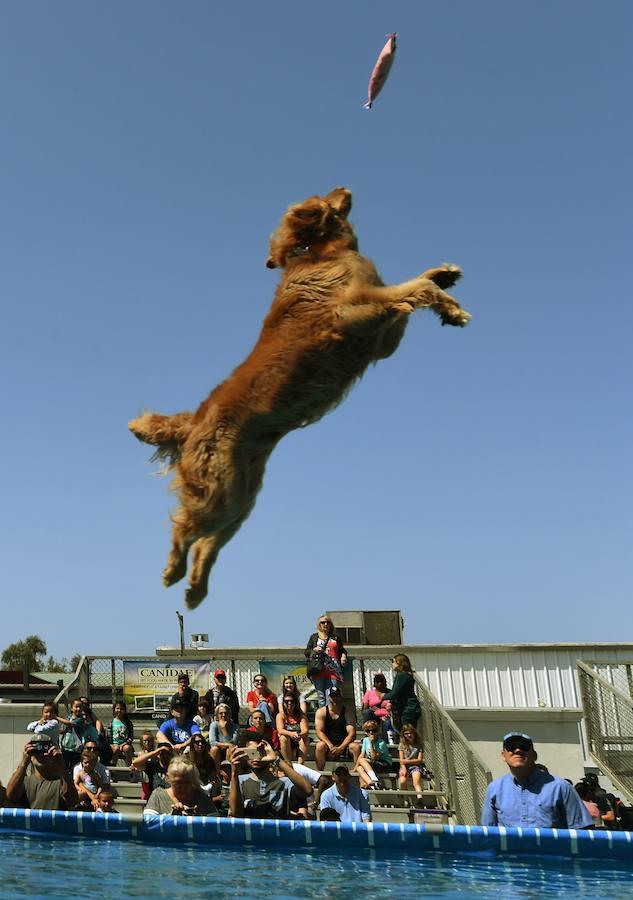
<point x="74" y="662"/>
<point x="24" y="654"/>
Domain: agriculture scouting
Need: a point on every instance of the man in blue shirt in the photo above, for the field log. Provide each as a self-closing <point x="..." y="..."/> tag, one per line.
<point x="528" y="797"/>
<point x="177" y="731"/>
<point x="349" y="801"/>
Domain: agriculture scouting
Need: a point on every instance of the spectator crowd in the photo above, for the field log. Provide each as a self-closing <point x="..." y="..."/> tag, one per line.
<point x="203" y="761"/>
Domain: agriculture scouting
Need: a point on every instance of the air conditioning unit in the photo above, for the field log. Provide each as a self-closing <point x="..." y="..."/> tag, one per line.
<point x="373" y="627"/>
<point x="199" y="641"/>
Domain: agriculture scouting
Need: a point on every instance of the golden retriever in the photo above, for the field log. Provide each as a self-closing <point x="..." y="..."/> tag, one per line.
<point x="331" y="317"/>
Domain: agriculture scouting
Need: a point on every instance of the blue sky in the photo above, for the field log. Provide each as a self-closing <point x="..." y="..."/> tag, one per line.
<point x="479" y="480"/>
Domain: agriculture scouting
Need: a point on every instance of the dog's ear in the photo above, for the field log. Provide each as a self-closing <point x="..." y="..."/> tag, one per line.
<point x="304" y="224"/>
<point x="340" y="199"/>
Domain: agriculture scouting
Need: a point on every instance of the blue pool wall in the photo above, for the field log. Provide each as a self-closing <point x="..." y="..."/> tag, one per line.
<point x="398" y="838"/>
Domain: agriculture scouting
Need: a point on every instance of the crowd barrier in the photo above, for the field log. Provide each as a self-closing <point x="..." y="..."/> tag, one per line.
<point x="410" y="840"/>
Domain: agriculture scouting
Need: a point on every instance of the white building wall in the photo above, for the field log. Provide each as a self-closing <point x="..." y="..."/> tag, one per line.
<point x="515" y="677"/>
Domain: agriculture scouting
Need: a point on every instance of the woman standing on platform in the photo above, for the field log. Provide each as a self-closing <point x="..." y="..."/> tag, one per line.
<point x="405" y="706"/>
<point x="326" y="657"/>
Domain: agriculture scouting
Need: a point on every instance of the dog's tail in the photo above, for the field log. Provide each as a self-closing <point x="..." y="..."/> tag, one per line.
<point x="167" y="433"/>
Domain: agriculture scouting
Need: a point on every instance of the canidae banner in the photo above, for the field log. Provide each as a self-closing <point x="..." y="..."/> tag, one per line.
<point x="148" y="685"/>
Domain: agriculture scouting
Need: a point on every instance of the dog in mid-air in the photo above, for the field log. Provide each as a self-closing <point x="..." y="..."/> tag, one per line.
<point x="331" y="317"/>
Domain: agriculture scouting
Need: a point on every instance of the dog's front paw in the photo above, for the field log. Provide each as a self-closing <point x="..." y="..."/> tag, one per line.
<point x="444" y="276"/>
<point x="457" y="317"/>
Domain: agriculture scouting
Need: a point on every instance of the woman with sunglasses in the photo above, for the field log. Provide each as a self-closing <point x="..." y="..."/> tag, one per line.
<point x="405" y="706"/>
<point x="200" y="755"/>
<point x="262" y="698"/>
<point x="222" y="733"/>
<point x="292" y="728"/>
<point x="289" y="686"/>
<point x="326" y="657"/>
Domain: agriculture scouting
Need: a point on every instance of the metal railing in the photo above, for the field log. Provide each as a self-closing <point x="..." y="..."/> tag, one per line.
<point x="78" y="686"/>
<point x="457" y="767"/>
<point x="608" y="716"/>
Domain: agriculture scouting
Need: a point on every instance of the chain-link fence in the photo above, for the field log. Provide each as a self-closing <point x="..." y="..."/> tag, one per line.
<point x="608" y="714"/>
<point x="457" y="769"/>
<point x="620" y="675"/>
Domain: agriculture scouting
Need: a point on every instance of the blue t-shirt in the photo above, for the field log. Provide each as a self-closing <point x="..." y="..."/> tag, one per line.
<point x="543" y="801"/>
<point x="178" y="734"/>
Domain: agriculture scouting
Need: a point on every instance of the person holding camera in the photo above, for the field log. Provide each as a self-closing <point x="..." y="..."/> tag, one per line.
<point x="326" y="658"/>
<point x="262" y="781"/>
<point x="48" y="785"/>
<point x="184" y="796"/>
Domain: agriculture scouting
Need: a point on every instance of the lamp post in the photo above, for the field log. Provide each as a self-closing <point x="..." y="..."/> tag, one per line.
<point x="182" y="631"/>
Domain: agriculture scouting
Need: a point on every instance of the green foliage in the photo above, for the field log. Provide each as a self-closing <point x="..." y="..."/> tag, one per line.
<point x="29" y="654"/>
<point x="24" y="654"/>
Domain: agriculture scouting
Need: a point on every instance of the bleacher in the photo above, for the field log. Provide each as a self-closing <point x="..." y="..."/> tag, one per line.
<point x="388" y="804"/>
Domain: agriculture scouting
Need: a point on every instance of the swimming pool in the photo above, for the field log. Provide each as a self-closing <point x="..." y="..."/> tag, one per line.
<point x="101" y="868"/>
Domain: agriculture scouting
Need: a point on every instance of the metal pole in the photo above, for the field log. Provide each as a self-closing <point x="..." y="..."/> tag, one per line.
<point x="182" y="632"/>
<point x="113" y="675"/>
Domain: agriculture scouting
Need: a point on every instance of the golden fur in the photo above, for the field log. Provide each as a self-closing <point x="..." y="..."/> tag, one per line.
<point x="331" y="317"/>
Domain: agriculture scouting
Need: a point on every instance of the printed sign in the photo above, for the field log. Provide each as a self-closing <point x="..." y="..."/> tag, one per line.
<point x="148" y="685"/>
<point x="275" y="670"/>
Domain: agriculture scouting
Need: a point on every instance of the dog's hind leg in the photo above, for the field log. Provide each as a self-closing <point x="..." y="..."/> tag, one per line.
<point x="182" y="537"/>
<point x="205" y="552"/>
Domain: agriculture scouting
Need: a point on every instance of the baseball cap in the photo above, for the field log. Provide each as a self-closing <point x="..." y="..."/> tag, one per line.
<point x="517" y="739"/>
<point x="340" y="770"/>
<point x="178" y="703"/>
<point x="41" y="738"/>
<point x="336" y="691"/>
<point x="219" y="672"/>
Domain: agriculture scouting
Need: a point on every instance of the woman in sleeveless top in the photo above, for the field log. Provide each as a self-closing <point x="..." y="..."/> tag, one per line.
<point x="328" y="669"/>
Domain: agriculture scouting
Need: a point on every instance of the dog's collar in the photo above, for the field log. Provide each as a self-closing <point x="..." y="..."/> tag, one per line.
<point x="299" y="251"/>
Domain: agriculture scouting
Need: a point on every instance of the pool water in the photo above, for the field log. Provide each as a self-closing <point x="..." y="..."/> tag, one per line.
<point x="66" y="868"/>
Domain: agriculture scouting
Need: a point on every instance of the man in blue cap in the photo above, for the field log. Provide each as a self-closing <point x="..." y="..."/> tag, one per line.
<point x="527" y="797"/>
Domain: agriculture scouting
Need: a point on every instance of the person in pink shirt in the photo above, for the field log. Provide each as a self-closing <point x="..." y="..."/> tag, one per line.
<point x="374" y="707"/>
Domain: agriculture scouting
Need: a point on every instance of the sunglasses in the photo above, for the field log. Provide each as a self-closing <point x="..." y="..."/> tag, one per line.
<point x="325" y="622"/>
<point x="519" y="745"/>
<point x="371" y="731"/>
<point x="259" y="681"/>
<point x="290" y="701"/>
<point x="198" y="743"/>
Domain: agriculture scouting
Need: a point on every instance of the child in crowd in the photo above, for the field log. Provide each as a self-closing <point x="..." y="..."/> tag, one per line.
<point x="48" y="723"/>
<point x="411" y="759"/>
<point x="74" y="734"/>
<point x="203" y="719"/>
<point x="88" y="781"/>
<point x="105" y="801"/>
<point x="122" y="732"/>
<point x="375" y="757"/>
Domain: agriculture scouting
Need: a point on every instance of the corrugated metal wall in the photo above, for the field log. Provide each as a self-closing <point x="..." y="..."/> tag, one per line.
<point x="513" y="677"/>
